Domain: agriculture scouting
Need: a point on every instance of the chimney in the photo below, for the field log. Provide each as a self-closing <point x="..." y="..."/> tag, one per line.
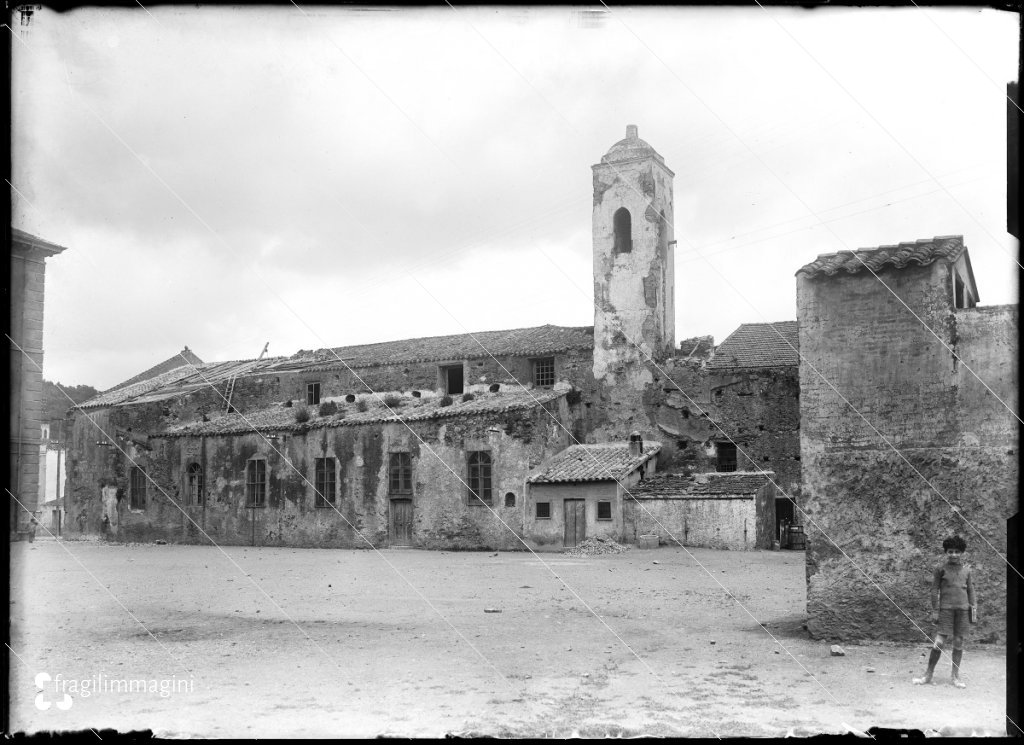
<point x="636" y="445"/>
<point x="631" y="133"/>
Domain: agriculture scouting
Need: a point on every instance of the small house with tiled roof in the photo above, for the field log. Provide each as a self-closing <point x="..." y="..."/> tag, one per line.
<point x="578" y="493"/>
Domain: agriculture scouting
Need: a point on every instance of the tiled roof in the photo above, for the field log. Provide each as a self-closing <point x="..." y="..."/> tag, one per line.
<point x="604" y="462"/>
<point x="531" y="342"/>
<point x="184" y="357"/>
<point x="921" y="252"/>
<point x="759" y="345"/>
<point x="176" y="382"/>
<point x="701" y="484"/>
<point x="279" y="418"/>
<point x="540" y="340"/>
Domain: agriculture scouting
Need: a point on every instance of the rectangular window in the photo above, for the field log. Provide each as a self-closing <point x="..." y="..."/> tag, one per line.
<point x="194" y="484"/>
<point x="325" y="482"/>
<point x="451" y="377"/>
<point x="726" y="457"/>
<point x="604" y="510"/>
<point x="480" y="477"/>
<point x="543" y="510"/>
<point x="137" y="488"/>
<point x="312" y="394"/>
<point x="544" y="372"/>
<point x="256" y="483"/>
<point x="400" y="474"/>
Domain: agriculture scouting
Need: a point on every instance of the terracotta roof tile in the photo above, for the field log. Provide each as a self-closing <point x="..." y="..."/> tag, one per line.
<point x="759" y="345"/>
<point x="279" y="418"/>
<point x="921" y="252"/>
<point x="604" y="462"/>
<point x="540" y="340"/>
<point x="702" y="484"/>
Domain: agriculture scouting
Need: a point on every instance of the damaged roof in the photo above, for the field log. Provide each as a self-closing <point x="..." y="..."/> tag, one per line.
<point x="704" y="485"/>
<point x="759" y="345"/>
<point x="528" y="342"/>
<point x="602" y="462"/>
<point x="183" y="358"/>
<point x="175" y="382"/>
<point x="279" y="418"/>
<point x="921" y="252"/>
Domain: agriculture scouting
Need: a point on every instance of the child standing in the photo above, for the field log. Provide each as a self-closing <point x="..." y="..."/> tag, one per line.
<point x="953" y="608"/>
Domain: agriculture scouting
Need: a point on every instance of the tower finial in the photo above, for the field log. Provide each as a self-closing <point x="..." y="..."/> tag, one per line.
<point x="631" y="132"/>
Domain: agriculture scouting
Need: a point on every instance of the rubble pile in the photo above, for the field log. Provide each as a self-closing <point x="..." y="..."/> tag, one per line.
<point x="595" y="546"/>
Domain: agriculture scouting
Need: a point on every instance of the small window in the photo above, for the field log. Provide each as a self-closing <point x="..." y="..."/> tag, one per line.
<point x="604" y="510"/>
<point x="543" y="510"/>
<point x="451" y="378"/>
<point x="623" y="224"/>
<point x="325" y="482"/>
<point x="312" y="394"/>
<point x="480" y="477"/>
<point x="544" y="372"/>
<point x="400" y="474"/>
<point x="726" y="454"/>
<point x="137" y="489"/>
<point x="194" y="483"/>
<point x="510" y="499"/>
<point x="256" y="483"/>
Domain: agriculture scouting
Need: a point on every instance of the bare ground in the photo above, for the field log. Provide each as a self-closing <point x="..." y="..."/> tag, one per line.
<point x="398" y="642"/>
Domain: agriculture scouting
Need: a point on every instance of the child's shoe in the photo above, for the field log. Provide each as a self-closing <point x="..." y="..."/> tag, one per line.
<point x="925" y="681"/>
<point x="957" y="683"/>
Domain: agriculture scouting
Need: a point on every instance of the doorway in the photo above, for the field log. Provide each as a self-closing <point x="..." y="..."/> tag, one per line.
<point x="575" y="522"/>
<point x="401" y="522"/>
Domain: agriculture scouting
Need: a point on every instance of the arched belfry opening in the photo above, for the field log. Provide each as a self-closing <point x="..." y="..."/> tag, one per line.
<point x="623" y="224"/>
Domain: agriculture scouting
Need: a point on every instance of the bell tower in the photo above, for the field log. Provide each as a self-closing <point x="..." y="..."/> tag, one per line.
<point x="634" y="280"/>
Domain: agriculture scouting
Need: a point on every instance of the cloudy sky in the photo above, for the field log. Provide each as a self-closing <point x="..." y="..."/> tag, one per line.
<point x="319" y="177"/>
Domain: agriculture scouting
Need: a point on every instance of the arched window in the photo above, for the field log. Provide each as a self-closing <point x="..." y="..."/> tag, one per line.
<point x="194" y="483"/>
<point x="623" y="231"/>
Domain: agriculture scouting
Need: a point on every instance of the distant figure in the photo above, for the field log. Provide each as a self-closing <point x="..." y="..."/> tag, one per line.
<point x="953" y="608"/>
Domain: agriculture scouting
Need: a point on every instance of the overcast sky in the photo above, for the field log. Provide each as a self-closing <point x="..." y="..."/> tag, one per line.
<point x="317" y="177"/>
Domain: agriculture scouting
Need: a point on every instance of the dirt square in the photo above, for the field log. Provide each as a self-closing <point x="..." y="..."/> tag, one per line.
<point x="193" y="641"/>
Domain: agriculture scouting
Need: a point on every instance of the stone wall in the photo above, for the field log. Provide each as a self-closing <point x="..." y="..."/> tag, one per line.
<point x="891" y="461"/>
<point x="757" y="408"/>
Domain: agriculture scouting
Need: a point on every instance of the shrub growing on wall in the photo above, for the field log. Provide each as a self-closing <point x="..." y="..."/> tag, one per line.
<point x="392" y="400"/>
<point x="446" y="400"/>
<point x="361" y="405"/>
<point x="468" y="396"/>
<point x="328" y="408"/>
<point x="301" y="415"/>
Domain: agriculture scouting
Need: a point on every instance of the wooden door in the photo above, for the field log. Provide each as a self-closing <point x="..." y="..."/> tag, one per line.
<point x="575" y="522"/>
<point x="401" y="522"/>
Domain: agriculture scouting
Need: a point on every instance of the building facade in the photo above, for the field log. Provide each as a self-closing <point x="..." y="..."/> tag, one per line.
<point x="28" y="278"/>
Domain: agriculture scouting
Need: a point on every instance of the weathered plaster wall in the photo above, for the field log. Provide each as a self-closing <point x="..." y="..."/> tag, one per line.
<point x="878" y="515"/>
<point x="549" y="533"/>
<point x="722" y="523"/>
<point x="442" y="513"/>
<point x="573" y="366"/>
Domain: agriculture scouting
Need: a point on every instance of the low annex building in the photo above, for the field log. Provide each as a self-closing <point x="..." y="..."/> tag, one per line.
<point x="733" y="511"/>
<point x="580" y="492"/>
